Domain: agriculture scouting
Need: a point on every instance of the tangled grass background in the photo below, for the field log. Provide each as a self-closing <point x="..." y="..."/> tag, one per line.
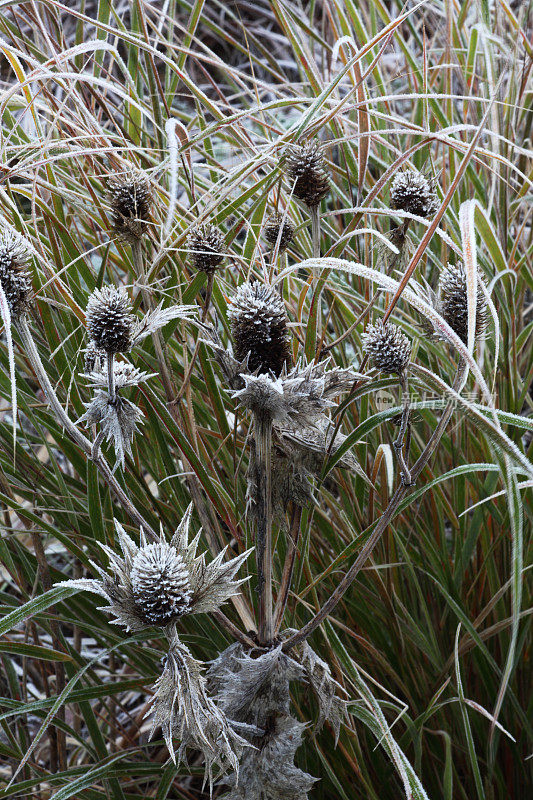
<point x="432" y="641"/>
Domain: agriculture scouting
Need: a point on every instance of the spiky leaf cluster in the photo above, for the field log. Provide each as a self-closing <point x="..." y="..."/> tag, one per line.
<point x="109" y="320"/>
<point x="306" y="168"/>
<point x="130" y="197"/>
<point x="413" y="192"/>
<point x="279" y="226"/>
<point x="453" y="303"/>
<point x="387" y="346"/>
<point x="259" y="328"/>
<point x="14" y="277"/>
<point x="184" y="710"/>
<point x="118" y="418"/>
<point x="210" y="585"/>
<point x="207" y="248"/>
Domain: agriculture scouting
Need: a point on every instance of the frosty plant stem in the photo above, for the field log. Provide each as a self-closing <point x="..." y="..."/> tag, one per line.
<point x="263" y="450"/>
<point x="111" y="376"/>
<point x="399" y="441"/>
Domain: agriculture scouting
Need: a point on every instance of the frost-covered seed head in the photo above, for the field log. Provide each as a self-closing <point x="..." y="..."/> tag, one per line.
<point x="306" y="167"/>
<point x="387" y="346"/>
<point x="453" y="301"/>
<point x="259" y="327"/>
<point x="413" y="192"/>
<point x="94" y="358"/>
<point x="14" y="277"/>
<point x="109" y="321"/>
<point x="276" y="223"/>
<point x="207" y="248"/>
<point x="160" y="583"/>
<point x="131" y="201"/>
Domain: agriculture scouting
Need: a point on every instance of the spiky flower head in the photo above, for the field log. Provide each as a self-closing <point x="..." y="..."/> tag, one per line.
<point x="279" y="226"/>
<point x="131" y="200"/>
<point x="387" y="346"/>
<point x="259" y="327"/>
<point x="306" y="167"/>
<point x="109" y="320"/>
<point x="207" y="248"/>
<point x="187" y="584"/>
<point x="14" y="277"/>
<point x="413" y="192"/>
<point x="453" y="304"/>
<point x="160" y="583"/>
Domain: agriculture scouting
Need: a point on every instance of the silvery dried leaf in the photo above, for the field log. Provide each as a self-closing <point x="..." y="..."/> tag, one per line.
<point x="119" y="420"/>
<point x="157" y="318"/>
<point x="312" y="446"/>
<point x="269" y="773"/>
<point x="331" y="707"/>
<point x="231" y="368"/>
<point x="184" y="710"/>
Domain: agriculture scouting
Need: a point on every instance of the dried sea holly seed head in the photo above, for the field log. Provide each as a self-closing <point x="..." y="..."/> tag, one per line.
<point x="14" y="277"/>
<point x="387" y="346"/>
<point x="453" y="303"/>
<point x="259" y="328"/>
<point x="279" y="226"/>
<point x="94" y="358"/>
<point x="413" y="192"/>
<point x="306" y="167"/>
<point x="160" y="583"/>
<point x="131" y="200"/>
<point x="109" y="321"/>
<point x="207" y="248"/>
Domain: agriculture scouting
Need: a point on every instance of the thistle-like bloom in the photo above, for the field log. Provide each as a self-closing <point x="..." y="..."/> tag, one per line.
<point x="259" y="328"/>
<point x="279" y="226"/>
<point x="109" y="320"/>
<point x="184" y="710"/>
<point x="387" y="346"/>
<point x="306" y="167"/>
<point x="131" y="200"/>
<point x="113" y="328"/>
<point x="94" y="358"/>
<point x="14" y="277"/>
<point x="157" y="582"/>
<point x="453" y="304"/>
<point x="297" y="399"/>
<point x="207" y="248"/>
<point x="413" y="192"/>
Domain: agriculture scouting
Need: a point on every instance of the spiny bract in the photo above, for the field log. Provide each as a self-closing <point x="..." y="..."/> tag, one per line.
<point x="387" y="346"/>
<point x="306" y="168"/>
<point x="259" y="327"/>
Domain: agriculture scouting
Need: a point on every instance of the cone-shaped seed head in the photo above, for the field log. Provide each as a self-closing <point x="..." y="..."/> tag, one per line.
<point x="276" y="223"/>
<point x="306" y="166"/>
<point x="207" y="248"/>
<point x="14" y="278"/>
<point x="454" y="304"/>
<point x="259" y="327"/>
<point x="94" y="358"/>
<point x="109" y="321"/>
<point x="131" y="200"/>
<point x="387" y="346"/>
<point x="412" y="192"/>
<point x="160" y="583"/>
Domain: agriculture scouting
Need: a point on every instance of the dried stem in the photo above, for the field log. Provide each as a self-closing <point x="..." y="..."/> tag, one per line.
<point x="398" y="443"/>
<point x="381" y="524"/>
<point x="314" y="213"/>
<point x="263" y="452"/>
<point x="111" y="377"/>
<point x="288" y="567"/>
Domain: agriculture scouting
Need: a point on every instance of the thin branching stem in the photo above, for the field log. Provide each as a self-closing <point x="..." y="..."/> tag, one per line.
<point x="288" y="567"/>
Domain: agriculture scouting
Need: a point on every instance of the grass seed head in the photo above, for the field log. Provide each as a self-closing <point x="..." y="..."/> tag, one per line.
<point x="387" y="346"/>
<point x="413" y="192"/>
<point x="453" y="302"/>
<point x="276" y="223"/>
<point x="131" y="201"/>
<point x="207" y="248"/>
